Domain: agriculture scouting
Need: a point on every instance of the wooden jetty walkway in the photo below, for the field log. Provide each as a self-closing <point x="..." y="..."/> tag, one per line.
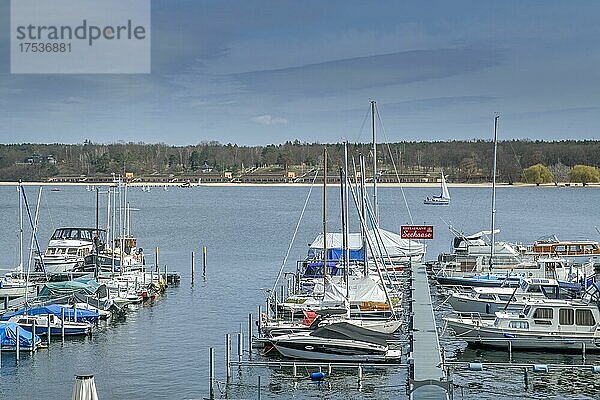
<point x="428" y="379"/>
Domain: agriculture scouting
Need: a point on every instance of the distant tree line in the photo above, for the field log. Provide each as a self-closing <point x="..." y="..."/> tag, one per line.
<point x="462" y="161"/>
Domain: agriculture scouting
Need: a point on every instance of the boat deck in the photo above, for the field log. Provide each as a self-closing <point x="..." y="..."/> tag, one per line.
<point x="425" y="343"/>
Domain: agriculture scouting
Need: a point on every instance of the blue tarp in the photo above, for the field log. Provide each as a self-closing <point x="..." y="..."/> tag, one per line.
<point x="56" y="309"/>
<point x="8" y="334"/>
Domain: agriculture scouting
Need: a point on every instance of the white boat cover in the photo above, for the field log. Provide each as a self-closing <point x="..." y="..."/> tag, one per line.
<point x="364" y="288"/>
<point x="394" y="244"/>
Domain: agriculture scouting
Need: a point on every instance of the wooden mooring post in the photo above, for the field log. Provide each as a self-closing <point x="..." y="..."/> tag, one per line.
<point x="18" y="342"/>
<point x="193" y="262"/>
<point x="250" y="336"/>
<point x="204" y="261"/>
<point x="228" y="356"/>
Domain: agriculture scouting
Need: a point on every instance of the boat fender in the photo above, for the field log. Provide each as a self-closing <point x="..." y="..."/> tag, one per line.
<point x="318" y="376"/>
<point x="264" y="318"/>
<point x="596" y="369"/>
<point x="540" y="368"/>
<point x="475" y="366"/>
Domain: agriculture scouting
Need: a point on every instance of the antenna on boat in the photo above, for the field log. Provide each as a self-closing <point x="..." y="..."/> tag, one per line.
<point x="494" y="192"/>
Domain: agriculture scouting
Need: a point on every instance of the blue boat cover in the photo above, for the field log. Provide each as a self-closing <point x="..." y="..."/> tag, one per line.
<point x="56" y="309"/>
<point x="8" y="333"/>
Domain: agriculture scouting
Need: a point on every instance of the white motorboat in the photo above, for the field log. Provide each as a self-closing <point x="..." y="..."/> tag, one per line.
<point x="68" y="248"/>
<point x="488" y="300"/>
<point x="559" y="325"/>
<point x="338" y="342"/>
<point x="313" y="320"/>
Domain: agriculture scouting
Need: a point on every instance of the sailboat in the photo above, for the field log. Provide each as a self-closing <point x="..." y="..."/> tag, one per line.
<point x="443" y="199"/>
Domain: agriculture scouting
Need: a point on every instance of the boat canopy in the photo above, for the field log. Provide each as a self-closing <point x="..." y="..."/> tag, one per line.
<point x="361" y="289"/>
<point x="69" y="287"/>
<point x="8" y="335"/>
<point x="55" y="309"/>
<point x="346" y="331"/>
<point x="393" y="243"/>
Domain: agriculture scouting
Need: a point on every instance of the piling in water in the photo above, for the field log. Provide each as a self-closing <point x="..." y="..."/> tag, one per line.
<point x="211" y="365"/>
<point x="204" y="261"/>
<point x="228" y="356"/>
<point x="62" y="323"/>
<point x="193" y="267"/>
<point x="18" y="342"/>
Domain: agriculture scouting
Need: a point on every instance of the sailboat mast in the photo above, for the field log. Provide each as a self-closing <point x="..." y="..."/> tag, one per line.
<point x="346" y="228"/>
<point x="324" y="216"/>
<point x="363" y="211"/>
<point x="20" y="269"/>
<point x="375" y="206"/>
<point x="494" y="192"/>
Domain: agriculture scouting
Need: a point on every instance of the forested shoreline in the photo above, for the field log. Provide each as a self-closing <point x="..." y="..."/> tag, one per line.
<point x="462" y="161"/>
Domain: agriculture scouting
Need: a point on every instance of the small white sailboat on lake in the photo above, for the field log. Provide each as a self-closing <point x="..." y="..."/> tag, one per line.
<point x="443" y="199"/>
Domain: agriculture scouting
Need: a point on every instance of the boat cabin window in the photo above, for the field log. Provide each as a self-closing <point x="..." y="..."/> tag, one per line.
<point x="566" y="316"/>
<point x="534" y="289"/>
<point x="72" y="251"/>
<point x="526" y="310"/>
<point x="518" y="324"/>
<point x="550" y="292"/>
<point x="543" y="316"/>
<point x="584" y="318"/>
<point x="506" y="297"/>
<point x="561" y="249"/>
<point x="588" y="249"/>
<point x="485" y="296"/>
<point x="50" y="251"/>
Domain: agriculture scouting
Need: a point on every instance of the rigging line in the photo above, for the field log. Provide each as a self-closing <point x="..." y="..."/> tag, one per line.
<point x="362" y="126"/>
<point x="287" y="254"/>
<point x="393" y="163"/>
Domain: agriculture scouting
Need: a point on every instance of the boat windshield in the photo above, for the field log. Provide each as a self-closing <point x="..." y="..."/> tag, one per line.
<point x="85" y="234"/>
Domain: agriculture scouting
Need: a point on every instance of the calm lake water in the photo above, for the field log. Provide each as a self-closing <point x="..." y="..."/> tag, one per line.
<point x="161" y="350"/>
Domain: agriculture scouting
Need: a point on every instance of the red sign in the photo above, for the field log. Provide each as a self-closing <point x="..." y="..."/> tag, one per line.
<point x="416" y="231"/>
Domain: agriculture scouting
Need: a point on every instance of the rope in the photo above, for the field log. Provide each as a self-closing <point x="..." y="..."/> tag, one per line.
<point x="394" y="164"/>
<point x="287" y="254"/>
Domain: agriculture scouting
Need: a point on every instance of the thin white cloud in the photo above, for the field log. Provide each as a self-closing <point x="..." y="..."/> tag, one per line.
<point x="269" y="120"/>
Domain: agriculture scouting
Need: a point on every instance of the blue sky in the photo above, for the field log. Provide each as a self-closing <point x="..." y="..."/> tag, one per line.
<point x="258" y="72"/>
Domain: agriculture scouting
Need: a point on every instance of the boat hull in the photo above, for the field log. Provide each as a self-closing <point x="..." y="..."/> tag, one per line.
<point x="523" y="340"/>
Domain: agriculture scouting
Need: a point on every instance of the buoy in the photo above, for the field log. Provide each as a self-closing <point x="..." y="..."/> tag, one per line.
<point x="318" y="376"/>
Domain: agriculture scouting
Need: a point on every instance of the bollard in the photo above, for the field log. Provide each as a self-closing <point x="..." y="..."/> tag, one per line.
<point x="204" y="261"/>
<point x="294" y="370"/>
<point x="329" y="369"/>
<point x="510" y="351"/>
<point x="18" y="342"/>
<point x="259" y="387"/>
<point x="525" y="378"/>
<point x="228" y="356"/>
<point x="193" y="262"/>
<point x="49" y="329"/>
<point x="33" y="336"/>
<point x="239" y="348"/>
<point x="211" y="362"/>
<point x="62" y="323"/>
<point x="583" y="350"/>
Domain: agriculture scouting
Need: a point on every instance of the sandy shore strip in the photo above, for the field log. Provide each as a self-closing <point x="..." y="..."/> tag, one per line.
<point x="233" y="184"/>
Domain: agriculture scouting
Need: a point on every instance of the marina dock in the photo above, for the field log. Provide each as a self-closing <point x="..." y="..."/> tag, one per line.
<point x="428" y="380"/>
